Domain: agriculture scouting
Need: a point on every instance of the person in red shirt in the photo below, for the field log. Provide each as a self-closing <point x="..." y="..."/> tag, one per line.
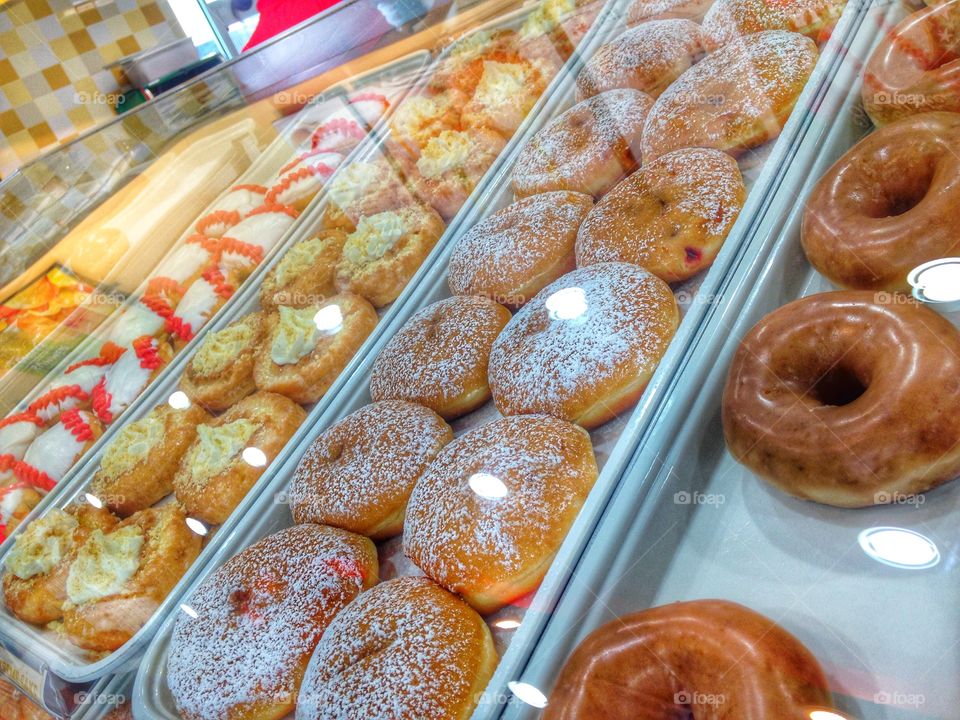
<point x="277" y="16"/>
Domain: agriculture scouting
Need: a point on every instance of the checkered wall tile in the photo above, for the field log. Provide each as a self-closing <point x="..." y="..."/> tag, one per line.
<point x="52" y="53"/>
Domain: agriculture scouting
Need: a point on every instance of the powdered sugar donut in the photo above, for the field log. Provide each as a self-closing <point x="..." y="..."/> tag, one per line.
<point x="647" y="58"/>
<point x="728" y="20"/>
<point x="243" y="648"/>
<point x="58" y="448"/>
<point x="586" y="346"/>
<point x="735" y="99"/>
<point x="588" y="149"/>
<point x="514" y="253"/>
<point x="450" y="166"/>
<point x="128" y="376"/>
<point x="670" y="217"/>
<point x="487" y="517"/>
<point x="404" y="649"/>
<point x="439" y="357"/>
<point x="359" y="473"/>
<point x="641" y="11"/>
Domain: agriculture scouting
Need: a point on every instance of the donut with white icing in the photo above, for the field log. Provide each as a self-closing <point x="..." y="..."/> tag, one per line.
<point x="57" y="449"/>
<point x="129" y="376"/>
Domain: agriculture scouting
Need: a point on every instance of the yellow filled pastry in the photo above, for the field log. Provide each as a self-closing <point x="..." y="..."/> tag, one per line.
<point x="305" y="273"/>
<point x="221" y="371"/>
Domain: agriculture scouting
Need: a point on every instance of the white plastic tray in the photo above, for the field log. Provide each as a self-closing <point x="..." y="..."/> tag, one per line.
<point x="614" y="443"/>
<point x="886" y="637"/>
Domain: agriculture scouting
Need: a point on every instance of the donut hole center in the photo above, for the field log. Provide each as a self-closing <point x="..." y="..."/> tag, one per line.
<point x="838" y="387"/>
<point x="901" y="191"/>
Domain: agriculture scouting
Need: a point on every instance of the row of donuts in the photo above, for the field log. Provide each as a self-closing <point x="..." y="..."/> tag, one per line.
<point x="288" y="353"/>
<point x="812" y="391"/>
<point x="481" y="515"/>
<point x="39" y="444"/>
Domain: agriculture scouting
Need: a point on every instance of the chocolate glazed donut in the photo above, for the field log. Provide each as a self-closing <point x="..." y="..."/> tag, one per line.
<point x="705" y="660"/>
<point x="890" y="204"/>
<point x="842" y="400"/>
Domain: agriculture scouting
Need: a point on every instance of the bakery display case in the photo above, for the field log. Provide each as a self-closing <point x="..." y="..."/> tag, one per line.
<point x="429" y="390"/>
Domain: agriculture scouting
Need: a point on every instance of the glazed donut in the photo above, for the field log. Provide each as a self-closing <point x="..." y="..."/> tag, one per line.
<point x="450" y="166"/>
<point x="914" y="68"/>
<point x="727" y="20"/>
<point x="843" y="400"/>
<point x="514" y="253"/>
<point x="35" y="569"/>
<point x="359" y="473"/>
<point x="586" y="346"/>
<point x="641" y="11"/>
<point x="588" y="148"/>
<point x="670" y="217"/>
<point x="137" y="468"/>
<point x="215" y="473"/>
<point x="304" y="350"/>
<point x="119" y="578"/>
<point x="890" y="204"/>
<point x="404" y="649"/>
<point x="386" y="250"/>
<point x="242" y="651"/>
<point x="680" y="660"/>
<point x="487" y="517"/>
<point x="220" y="373"/>
<point x="734" y="99"/>
<point x="646" y="58"/>
<point x="439" y="357"/>
<point x="306" y="271"/>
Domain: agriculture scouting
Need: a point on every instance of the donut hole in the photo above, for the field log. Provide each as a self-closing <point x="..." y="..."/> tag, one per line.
<point x="839" y="386"/>
<point x="902" y="190"/>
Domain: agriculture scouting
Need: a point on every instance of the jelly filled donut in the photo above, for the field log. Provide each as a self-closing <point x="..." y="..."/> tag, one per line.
<point x="891" y="203"/>
<point x="679" y="660"/>
<point x="586" y="346"/>
<point x="647" y="58"/>
<point x="587" y="149"/>
<point x="359" y="473"/>
<point x="670" y="217"/>
<point x="487" y="517"/>
<point x="842" y="400"/>
<point x="515" y="252"/>
<point x="734" y="99"/>
<point x="407" y="650"/>
<point x="242" y="651"/>
<point x="914" y="68"/>
<point x="439" y="357"/>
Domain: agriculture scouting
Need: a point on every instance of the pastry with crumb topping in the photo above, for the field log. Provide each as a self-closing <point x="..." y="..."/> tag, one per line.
<point x="221" y="371"/>
<point x="231" y="452"/>
<point x="138" y="466"/>
<point x="305" y="273"/>
<point x="364" y="188"/>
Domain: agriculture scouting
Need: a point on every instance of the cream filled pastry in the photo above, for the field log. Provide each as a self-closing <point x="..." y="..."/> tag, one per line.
<point x="506" y="93"/>
<point x="306" y="271"/>
<point x="230" y="453"/>
<point x="306" y="348"/>
<point x="385" y="251"/>
<point x="221" y="371"/>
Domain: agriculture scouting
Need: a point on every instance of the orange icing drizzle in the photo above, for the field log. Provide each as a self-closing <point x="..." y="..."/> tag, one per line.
<point x="146" y="350"/>
<point x="360" y="97"/>
<point x="207" y="243"/>
<point x="7" y="461"/>
<point x="220" y="285"/>
<point x="37" y="478"/>
<point x="238" y="247"/>
<point x="110" y="352"/>
<point x="73" y="421"/>
<point x="228" y="218"/>
<point x="28" y="416"/>
<point x="57" y="396"/>
<point x="274" y="207"/>
<point x="165" y="286"/>
<point x="347" y="128"/>
<point x="101" y="400"/>
<point x="252" y="188"/>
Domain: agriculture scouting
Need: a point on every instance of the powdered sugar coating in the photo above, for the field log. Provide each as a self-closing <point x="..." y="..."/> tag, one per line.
<point x="588" y="148"/>
<point x="735" y="99"/>
<point x="497" y="503"/>
<point x="727" y="20"/>
<point x="647" y="58"/>
<point x="522" y="242"/>
<point x="362" y="469"/>
<point x="597" y="328"/>
<point x="644" y="10"/>
<point x="670" y="217"/>
<point x="255" y="621"/>
<point x="405" y="650"/>
<point x="439" y="357"/>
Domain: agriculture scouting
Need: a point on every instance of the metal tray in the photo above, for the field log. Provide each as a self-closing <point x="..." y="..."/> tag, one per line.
<point x="689" y="522"/>
<point x="113" y="692"/>
<point x="76" y="665"/>
<point x="261" y="170"/>
<point x="614" y="443"/>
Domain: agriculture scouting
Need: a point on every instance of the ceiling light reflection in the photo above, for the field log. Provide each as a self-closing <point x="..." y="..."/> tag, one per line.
<point x="198" y="527"/>
<point x="93" y="500"/>
<point x="528" y="694"/>
<point x="179" y="400"/>
<point x="567" y="304"/>
<point x="329" y="319"/>
<point x="487" y="485"/>
<point x="899" y="548"/>
<point x="937" y="281"/>
<point x="189" y="610"/>
<point x="254" y="457"/>
<point x="507" y="624"/>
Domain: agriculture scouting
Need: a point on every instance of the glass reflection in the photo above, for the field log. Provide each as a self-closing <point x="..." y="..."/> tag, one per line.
<point x="179" y="400"/>
<point x="196" y="526"/>
<point x="937" y="281"/>
<point x="254" y="457"/>
<point x="487" y="485"/>
<point x="528" y="694"/>
<point x="93" y="500"/>
<point x="567" y="304"/>
<point x="329" y="319"/>
<point x="899" y="548"/>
